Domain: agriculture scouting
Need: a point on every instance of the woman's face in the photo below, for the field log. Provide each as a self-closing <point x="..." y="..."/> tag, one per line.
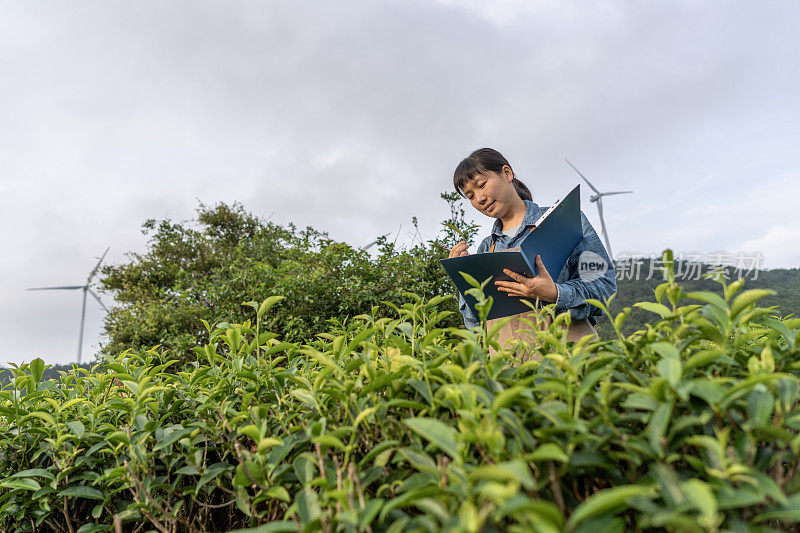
<point x="492" y="193"/>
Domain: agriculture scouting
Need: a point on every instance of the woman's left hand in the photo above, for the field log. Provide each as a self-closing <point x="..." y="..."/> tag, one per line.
<point x="541" y="286"/>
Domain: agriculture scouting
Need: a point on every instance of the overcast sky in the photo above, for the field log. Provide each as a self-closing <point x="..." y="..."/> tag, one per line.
<point x="350" y="116"/>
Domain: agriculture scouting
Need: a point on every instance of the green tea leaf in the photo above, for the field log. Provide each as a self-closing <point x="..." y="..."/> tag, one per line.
<point x="308" y="506"/>
<point x="173" y="436"/>
<point x="22" y="483"/>
<point x="81" y="491"/>
<point x="657" y="427"/>
<point x="279" y="493"/>
<point x="329" y="441"/>
<point x="702" y="497"/>
<point x="267" y="304"/>
<point x="34" y="472"/>
<point x="42" y="415"/>
<point x="37" y="369"/>
<point x="747" y="298"/>
<point x="515" y="470"/>
<point x="77" y="428"/>
<point x="605" y="501"/>
<point x="670" y="369"/>
<point x="212" y="472"/>
<point x="661" y="310"/>
<point x="760" y="404"/>
<point x="438" y="433"/>
<point x="506" y="397"/>
<point x="549" y="452"/>
<point x="472" y="281"/>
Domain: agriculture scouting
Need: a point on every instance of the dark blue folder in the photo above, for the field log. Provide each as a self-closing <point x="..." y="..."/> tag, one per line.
<point x="553" y="239"/>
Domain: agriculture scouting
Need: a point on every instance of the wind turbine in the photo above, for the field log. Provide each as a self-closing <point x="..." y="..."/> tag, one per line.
<point x="597" y="197"/>
<point x="373" y="243"/>
<point x="85" y="288"/>
<point x="370" y="245"/>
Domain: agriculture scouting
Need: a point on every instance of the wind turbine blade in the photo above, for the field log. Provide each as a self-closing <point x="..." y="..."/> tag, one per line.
<point x="584" y="177"/>
<point x="55" y="288"/>
<point x="94" y="270"/>
<point x="96" y="297"/>
<point x="616" y="192"/>
<point x="368" y="246"/>
<point x="603" y="228"/>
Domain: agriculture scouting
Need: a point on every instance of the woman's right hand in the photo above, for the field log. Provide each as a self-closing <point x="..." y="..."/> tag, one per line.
<point x="459" y="250"/>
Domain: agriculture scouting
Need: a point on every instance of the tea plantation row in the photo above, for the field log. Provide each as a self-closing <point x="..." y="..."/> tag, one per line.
<point x="398" y="424"/>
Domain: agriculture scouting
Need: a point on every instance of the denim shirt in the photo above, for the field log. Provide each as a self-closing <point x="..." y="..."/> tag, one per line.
<point x="572" y="290"/>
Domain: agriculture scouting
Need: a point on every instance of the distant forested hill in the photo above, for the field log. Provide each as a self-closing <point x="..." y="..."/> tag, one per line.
<point x="6" y="375"/>
<point x="785" y="282"/>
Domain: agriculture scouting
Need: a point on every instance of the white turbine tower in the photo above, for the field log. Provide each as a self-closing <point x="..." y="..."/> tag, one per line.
<point x="85" y="288"/>
<point x="597" y="197"/>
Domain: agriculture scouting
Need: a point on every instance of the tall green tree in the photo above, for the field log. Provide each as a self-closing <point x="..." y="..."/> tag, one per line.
<point x="205" y="268"/>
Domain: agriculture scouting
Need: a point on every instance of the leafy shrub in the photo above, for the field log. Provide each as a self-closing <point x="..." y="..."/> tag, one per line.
<point x="394" y="423"/>
<point x="203" y="271"/>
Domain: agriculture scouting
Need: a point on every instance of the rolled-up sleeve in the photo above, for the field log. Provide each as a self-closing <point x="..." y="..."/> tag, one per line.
<point x="577" y="283"/>
<point x="470" y="320"/>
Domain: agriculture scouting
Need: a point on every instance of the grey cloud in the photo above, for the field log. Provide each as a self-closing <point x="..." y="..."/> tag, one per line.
<point x="351" y="116"/>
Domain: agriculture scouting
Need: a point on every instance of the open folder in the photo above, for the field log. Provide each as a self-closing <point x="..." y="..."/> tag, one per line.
<point x="558" y="231"/>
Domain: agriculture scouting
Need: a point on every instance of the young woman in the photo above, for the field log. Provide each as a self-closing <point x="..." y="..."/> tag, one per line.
<point x="486" y="179"/>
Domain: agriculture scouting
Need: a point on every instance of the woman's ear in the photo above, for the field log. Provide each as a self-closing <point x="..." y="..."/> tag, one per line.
<point x="508" y="174"/>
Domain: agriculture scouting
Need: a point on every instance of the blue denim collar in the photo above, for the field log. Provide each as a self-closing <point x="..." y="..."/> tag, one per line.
<point x="531" y="216"/>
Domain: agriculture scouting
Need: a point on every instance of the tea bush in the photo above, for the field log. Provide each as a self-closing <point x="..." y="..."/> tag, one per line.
<point x="394" y="423"/>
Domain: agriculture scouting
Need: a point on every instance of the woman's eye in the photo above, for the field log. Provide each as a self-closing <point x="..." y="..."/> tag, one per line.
<point x="480" y="185"/>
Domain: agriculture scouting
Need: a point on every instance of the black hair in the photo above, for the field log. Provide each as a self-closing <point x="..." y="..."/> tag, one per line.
<point x="481" y="161"/>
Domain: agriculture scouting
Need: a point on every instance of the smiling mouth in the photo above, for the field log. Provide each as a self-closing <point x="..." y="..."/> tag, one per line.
<point x="489" y="206"/>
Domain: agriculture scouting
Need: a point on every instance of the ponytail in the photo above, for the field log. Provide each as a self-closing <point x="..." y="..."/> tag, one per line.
<point x="522" y="189"/>
<point x="481" y="161"/>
